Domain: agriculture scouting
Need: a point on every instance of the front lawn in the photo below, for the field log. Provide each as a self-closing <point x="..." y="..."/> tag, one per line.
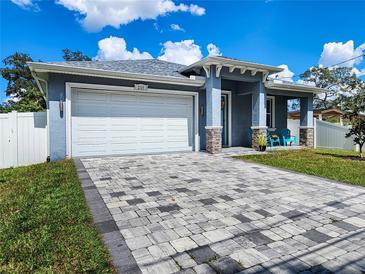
<point x="45" y="225"/>
<point x="339" y="165"/>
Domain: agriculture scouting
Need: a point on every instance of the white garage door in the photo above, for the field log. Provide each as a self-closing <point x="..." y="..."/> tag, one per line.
<point x="129" y="122"/>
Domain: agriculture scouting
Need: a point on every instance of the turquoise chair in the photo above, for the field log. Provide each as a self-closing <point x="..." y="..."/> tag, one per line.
<point x="272" y="141"/>
<point x="287" y="137"/>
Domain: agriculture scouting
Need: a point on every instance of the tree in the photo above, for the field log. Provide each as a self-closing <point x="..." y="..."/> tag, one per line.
<point x="353" y="104"/>
<point x="69" y="55"/>
<point x="21" y="88"/>
<point x="334" y="80"/>
<point x="357" y="131"/>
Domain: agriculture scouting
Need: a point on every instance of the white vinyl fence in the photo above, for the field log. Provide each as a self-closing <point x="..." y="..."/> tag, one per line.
<point x="327" y="135"/>
<point x="331" y="135"/>
<point x="293" y="125"/>
<point x="23" y="138"/>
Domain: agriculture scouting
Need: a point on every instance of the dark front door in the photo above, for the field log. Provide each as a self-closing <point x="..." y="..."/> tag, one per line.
<point x="224" y="119"/>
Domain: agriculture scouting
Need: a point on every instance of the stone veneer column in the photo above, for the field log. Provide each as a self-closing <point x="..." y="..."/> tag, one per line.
<point x="258" y="112"/>
<point x="213" y="129"/>
<point x="306" y="136"/>
<point x="255" y="132"/>
<point x="213" y="139"/>
<point x="306" y="129"/>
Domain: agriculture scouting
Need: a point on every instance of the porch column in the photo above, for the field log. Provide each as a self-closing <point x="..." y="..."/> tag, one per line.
<point x="213" y="129"/>
<point x="306" y="129"/>
<point x="258" y="113"/>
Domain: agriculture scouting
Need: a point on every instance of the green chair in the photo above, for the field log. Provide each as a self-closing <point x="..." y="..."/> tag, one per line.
<point x="271" y="140"/>
<point x="287" y="137"/>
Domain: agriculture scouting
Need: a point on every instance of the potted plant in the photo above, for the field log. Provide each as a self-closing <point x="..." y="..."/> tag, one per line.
<point x="261" y="141"/>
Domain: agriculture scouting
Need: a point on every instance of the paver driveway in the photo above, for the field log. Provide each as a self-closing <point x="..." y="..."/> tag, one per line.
<point x="201" y="213"/>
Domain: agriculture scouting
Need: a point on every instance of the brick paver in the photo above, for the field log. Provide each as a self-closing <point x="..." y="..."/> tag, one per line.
<point x="200" y="213"/>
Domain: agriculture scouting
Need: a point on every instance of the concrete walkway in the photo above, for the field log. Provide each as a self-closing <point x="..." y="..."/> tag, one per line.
<point x="200" y="213"/>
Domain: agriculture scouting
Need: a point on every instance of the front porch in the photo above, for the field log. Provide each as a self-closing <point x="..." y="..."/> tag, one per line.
<point x="238" y="103"/>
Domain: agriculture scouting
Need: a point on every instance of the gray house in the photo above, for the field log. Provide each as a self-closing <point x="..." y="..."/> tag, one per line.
<point x="152" y="106"/>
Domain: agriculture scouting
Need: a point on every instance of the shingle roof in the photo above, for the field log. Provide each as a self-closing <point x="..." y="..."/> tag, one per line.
<point x="148" y="66"/>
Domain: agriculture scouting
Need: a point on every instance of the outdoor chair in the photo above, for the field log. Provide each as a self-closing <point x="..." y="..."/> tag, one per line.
<point x="272" y="140"/>
<point x="287" y="137"/>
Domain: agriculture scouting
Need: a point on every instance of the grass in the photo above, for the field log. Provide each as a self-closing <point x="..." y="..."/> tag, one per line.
<point x="339" y="165"/>
<point x="45" y="224"/>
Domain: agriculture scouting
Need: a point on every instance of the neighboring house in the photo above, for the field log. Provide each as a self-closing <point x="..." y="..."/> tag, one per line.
<point x="332" y="115"/>
<point x="149" y="106"/>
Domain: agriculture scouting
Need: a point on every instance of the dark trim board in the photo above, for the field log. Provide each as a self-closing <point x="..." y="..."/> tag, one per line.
<point x="122" y="257"/>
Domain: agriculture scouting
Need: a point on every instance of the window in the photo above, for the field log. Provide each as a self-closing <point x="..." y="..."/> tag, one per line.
<point x="270" y="112"/>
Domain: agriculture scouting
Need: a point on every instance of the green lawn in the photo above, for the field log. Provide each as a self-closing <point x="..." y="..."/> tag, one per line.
<point x="45" y="225"/>
<point x="339" y="165"/>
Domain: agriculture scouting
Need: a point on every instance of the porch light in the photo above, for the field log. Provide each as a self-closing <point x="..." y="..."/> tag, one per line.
<point x="201" y="110"/>
<point x="61" y="105"/>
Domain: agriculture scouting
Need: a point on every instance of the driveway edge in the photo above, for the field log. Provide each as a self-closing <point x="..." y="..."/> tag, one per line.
<point x="122" y="257"/>
<point x="299" y="173"/>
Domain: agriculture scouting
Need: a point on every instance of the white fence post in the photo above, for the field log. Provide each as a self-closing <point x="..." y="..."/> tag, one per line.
<point x="315" y="132"/>
<point x="13" y="119"/>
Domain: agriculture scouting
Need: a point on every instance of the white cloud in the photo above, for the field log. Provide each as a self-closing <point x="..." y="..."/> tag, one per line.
<point x="115" y="48"/>
<point x="185" y="52"/>
<point x="337" y="52"/>
<point x="96" y="14"/>
<point x="157" y="27"/>
<point x="358" y="72"/>
<point x="177" y="27"/>
<point x="307" y="83"/>
<point x="285" y="75"/>
<point x="213" y="50"/>
<point x="196" y="10"/>
<point x="26" y="4"/>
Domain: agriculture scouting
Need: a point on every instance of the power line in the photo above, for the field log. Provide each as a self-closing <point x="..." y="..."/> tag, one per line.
<point x="353" y="58"/>
<point x="348" y="60"/>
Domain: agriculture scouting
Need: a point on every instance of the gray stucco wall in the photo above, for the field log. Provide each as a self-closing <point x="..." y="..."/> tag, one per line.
<point x="241" y="119"/>
<point x="202" y="118"/>
<point x="56" y="92"/>
<point x="281" y="112"/>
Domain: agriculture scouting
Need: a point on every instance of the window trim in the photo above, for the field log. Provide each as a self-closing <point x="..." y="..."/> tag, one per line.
<point x="272" y="98"/>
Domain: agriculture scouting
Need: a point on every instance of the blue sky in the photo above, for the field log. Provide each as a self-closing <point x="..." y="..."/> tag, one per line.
<point x="293" y="33"/>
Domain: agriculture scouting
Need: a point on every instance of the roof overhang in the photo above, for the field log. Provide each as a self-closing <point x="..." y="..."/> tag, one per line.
<point x="293" y="87"/>
<point x="232" y="65"/>
<point x="40" y="67"/>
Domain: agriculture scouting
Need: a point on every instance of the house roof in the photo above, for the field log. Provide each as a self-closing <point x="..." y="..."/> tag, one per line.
<point x="232" y="63"/>
<point x="329" y="111"/>
<point x="152" y="70"/>
<point x="291" y="86"/>
<point x="145" y="66"/>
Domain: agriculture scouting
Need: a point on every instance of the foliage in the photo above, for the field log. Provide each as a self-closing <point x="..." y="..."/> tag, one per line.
<point x="336" y="80"/>
<point x="357" y="131"/>
<point x="353" y="105"/>
<point x="339" y="165"/>
<point x="46" y="226"/>
<point x="21" y="88"/>
<point x="261" y="139"/>
<point x="69" y="55"/>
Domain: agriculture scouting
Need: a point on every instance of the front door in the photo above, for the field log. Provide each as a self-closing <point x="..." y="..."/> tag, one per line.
<point x="224" y="119"/>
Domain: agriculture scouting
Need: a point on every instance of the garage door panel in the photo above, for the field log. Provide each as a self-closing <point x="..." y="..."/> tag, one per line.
<point x="86" y="96"/>
<point x="125" y="123"/>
